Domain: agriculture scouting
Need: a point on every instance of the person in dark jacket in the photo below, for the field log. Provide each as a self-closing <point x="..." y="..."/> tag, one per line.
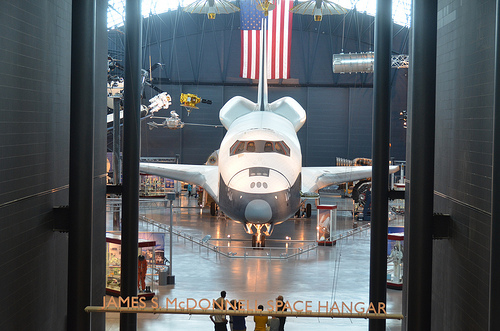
<point x="281" y="303"/>
<point x="238" y="321"/>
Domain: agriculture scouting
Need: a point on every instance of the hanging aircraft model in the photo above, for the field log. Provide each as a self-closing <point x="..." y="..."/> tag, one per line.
<point x="259" y="179"/>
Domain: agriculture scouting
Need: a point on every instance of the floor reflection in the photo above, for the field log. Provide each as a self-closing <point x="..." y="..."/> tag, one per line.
<point x="326" y="274"/>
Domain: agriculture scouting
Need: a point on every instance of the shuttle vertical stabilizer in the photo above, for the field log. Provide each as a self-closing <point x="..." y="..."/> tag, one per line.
<point x="262" y="97"/>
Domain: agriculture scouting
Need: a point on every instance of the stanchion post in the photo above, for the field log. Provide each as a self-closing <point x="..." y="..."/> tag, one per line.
<point x="170" y="276"/>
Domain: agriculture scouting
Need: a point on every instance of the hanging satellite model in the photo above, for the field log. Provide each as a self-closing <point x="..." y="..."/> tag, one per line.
<point x="163" y="101"/>
<point x="189" y="101"/>
<point x="174" y="122"/>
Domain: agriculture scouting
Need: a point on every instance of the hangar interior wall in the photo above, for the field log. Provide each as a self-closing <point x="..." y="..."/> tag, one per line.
<point x="463" y="164"/>
<point x="338" y="124"/>
<point x="34" y="120"/>
<point x="35" y="68"/>
<point x="202" y="56"/>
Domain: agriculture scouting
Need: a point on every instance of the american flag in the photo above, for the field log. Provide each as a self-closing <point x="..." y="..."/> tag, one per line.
<point x="279" y="39"/>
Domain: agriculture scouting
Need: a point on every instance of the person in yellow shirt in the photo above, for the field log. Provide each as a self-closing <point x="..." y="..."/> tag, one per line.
<point x="260" y="321"/>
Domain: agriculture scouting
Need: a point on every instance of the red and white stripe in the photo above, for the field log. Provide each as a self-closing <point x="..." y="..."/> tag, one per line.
<point x="279" y="39"/>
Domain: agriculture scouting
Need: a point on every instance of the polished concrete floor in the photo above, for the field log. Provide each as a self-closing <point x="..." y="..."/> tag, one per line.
<point x="324" y="274"/>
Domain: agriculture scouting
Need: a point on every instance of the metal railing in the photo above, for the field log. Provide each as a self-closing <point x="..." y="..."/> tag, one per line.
<point x="352" y="232"/>
<point x="265" y="252"/>
<point x="238" y="251"/>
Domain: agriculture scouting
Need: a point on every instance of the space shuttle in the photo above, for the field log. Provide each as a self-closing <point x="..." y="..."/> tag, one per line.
<point x="259" y="179"/>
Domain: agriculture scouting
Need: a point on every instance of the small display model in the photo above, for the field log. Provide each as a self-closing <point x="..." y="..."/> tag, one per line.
<point x="395" y="261"/>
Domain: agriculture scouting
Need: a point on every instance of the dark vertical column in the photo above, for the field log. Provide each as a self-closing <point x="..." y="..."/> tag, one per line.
<point x="81" y="163"/>
<point x="116" y="158"/>
<point x="131" y="154"/>
<point x="380" y="155"/>
<point x="420" y="191"/>
<point x="494" y="299"/>
<point x="98" y="290"/>
<point x="116" y="141"/>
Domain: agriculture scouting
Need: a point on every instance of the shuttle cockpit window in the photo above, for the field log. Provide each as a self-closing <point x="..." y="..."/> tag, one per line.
<point x="268" y="147"/>
<point x="282" y="148"/>
<point x="238" y="147"/>
<point x="260" y="146"/>
<point x="251" y="147"/>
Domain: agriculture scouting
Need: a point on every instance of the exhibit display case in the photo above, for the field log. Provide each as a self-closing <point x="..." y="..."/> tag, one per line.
<point x="395" y="251"/>
<point x="154" y="186"/>
<point x="326" y="224"/>
<point x="146" y="266"/>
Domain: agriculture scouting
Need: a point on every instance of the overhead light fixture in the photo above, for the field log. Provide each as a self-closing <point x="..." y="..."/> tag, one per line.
<point x="318" y="8"/>
<point x="211" y="13"/>
<point x="211" y="8"/>
<point x="404" y="118"/>
<point x="265" y="6"/>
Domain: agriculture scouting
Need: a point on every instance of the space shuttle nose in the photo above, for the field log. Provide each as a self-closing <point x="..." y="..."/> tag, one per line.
<point x="258" y="211"/>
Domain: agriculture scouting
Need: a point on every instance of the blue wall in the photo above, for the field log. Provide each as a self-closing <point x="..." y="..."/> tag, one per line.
<point x="202" y="56"/>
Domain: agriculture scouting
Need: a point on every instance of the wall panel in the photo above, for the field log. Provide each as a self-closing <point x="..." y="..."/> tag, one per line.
<point x="463" y="163"/>
<point x="34" y="151"/>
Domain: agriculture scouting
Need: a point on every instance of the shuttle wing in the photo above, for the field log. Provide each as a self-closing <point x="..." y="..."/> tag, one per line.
<point x="203" y="175"/>
<point x="315" y="178"/>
